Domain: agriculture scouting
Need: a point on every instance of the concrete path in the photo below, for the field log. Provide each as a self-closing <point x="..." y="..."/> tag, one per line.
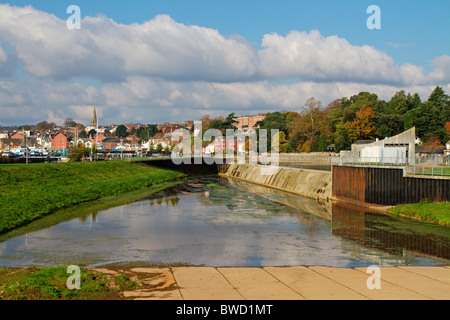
<point x="290" y="283"/>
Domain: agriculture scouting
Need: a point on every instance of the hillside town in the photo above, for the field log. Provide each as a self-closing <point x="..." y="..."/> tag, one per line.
<point x="47" y="139"/>
<point x="360" y="119"/>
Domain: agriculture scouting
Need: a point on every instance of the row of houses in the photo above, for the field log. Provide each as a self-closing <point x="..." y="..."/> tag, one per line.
<point x="60" y="139"/>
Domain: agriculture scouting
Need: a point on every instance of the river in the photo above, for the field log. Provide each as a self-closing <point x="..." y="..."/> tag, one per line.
<point x="213" y="221"/>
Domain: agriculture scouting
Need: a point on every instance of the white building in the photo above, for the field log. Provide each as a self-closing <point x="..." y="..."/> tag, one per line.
<point x="399" y="149"/>
<point x="447" y="148"/>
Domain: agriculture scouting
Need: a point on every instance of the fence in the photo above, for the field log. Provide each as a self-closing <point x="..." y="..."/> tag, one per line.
<point x="370" y="161"/>
<point x="429" y="165"/>
<point x="429" y="170"/>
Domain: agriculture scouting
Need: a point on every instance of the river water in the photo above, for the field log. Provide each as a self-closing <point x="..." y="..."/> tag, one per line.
<point x="215" y="221"/>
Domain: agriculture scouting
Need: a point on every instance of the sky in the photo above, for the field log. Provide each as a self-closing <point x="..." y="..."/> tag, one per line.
<point x="172" y="60"/>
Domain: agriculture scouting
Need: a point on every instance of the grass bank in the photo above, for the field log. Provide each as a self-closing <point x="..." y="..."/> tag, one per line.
<point x="29" y="192"/>
<point x="438" y="213"/>
<point x="51" y="284"/>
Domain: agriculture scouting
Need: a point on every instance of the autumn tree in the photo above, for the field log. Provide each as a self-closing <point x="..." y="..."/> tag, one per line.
<point x="363" y="127"/>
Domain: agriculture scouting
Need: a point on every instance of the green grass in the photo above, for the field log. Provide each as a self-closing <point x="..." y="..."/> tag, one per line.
<point x="438" y="213"/>
<point x="50" y="284"/>
<point x="28" y="193"/>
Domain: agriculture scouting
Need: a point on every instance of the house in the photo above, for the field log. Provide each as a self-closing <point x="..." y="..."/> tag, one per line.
<point x="8" y="143"/>
<point x="17" y="135"/>
<point x="188" y="124"/>
<point x="165" y="139"/>
<point x="44" y="142"/>
<point x="133" y="139"/>
<point x="110" y="143"/>
<point x="100" y="137"/>
<point x="331" y="147"/>
<point x="60" y="141"/>
<point x="4" y="135"/>
<point x="447" y="148"/>
<point x="85" y="141"/>
<point x="246" y="123"/>
<point x="430" y="150"/>
<point x="168" y="127"/>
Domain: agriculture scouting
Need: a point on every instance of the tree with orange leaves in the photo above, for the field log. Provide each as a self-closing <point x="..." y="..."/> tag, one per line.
<point x="447" y="128"/>
<point x="363" y="127"/>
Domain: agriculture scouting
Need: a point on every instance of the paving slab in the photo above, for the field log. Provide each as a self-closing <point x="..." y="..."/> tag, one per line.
<point x="437" y="273"/>
<point x="257" y="284"/>
<point x="424" y="285"/>
<point x="358" y="281"/>
<point x="160" y="285"/>
<point x="204" y="283"/>
<point x="312" y="285"/>
<point x="287" y="283"/>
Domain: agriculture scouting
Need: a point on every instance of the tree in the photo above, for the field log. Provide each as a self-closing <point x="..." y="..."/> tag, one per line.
<point x="159" y="148"/>
<point x="83" y="134"/>
<point x="121" y="131"/>
<point x="44" y="126"/>
<point x="363" y="127"/>
<point x="274" y="120"/>
<point x="430" y="117"/>
<point x="94" y="149"/>
<point x="323" y="143"/>
<point x="91" y="133"/>
<point x="77" y="151"/>
<point x="433" y="143"/>
<point x="389" y="124"/>
<point x="399" y="103"/>
<point x="25" y="127"/>
<point x="313" y="106"/>
<point x="69" y="123"/>
<point x="223" y="124"/>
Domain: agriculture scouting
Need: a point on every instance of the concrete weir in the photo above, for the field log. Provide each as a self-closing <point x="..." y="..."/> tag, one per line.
<point x="313" y="184"/>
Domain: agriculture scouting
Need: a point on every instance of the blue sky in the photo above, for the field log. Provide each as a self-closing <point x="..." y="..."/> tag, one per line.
<point x="417" y="31"/>
<point x="410" y="52"/>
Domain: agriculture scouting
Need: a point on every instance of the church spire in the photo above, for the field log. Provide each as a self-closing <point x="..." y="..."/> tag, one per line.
<point x="94" y="121"/>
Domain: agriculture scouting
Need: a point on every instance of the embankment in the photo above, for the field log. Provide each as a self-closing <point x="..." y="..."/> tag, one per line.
<point x="313" y="184"/>
<point x="29" y="192"/>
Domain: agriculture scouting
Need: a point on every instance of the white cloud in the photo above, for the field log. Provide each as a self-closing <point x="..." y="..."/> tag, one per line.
<point x="441" y="73"/>
<point x="311" y="56"/>
<point x="161" y="47"/>
<point x="106" y="50"/>
<point x="140" y="99"/>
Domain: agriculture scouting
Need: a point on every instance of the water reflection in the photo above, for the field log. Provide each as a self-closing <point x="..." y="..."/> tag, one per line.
<point x="372" y="230"/>
<point x="365" y="228"/>
<point x="223" y="222"/>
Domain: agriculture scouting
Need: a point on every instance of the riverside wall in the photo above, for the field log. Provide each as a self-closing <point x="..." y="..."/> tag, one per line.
<point x="313" y="184"/>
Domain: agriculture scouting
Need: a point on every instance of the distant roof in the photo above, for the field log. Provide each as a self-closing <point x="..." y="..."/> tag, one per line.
<point x="363" y="141"/>
<point x="430" y="149"/>
<point x="110" y="139"/>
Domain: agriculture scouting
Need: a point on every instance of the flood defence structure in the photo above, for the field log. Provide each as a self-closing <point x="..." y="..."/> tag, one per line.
<point x="386" y="185"/>
<point x="359" y="184"/>
<point x="314" y="184"/>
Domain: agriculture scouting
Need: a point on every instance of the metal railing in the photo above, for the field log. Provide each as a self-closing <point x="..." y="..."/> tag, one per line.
<point x="370" y="161"/>
<point x="429" y="170"/>
<point x="427" y="167"/>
